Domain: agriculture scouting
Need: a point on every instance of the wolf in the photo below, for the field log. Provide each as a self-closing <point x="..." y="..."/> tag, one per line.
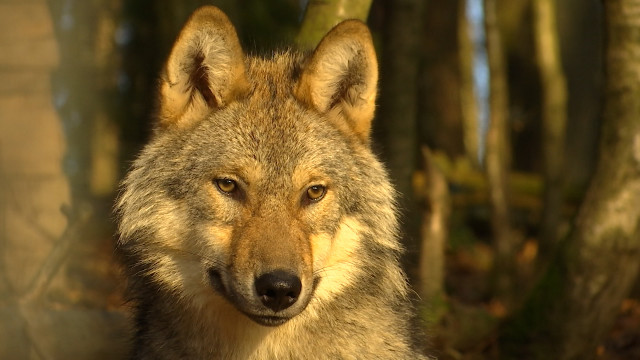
<point x="257" y="222"/>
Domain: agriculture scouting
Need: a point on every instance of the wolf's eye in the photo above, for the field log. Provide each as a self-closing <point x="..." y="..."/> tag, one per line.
<point x="227" y="186"/>
<point x="316" y="192"/>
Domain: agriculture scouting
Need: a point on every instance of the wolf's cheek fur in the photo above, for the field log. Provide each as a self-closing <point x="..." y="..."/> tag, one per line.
<point x="335" y="260"/>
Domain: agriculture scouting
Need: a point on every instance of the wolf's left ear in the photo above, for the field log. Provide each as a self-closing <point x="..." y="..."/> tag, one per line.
<point x="205" y="70"/>
<point x="342" y="75"/>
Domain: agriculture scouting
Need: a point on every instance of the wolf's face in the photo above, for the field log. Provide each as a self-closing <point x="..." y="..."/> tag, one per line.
<point x="267" y="199"/>
<point x="250" y="190"/>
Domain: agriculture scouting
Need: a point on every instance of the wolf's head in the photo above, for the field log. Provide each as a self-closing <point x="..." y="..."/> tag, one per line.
<point x="259" y="188"/>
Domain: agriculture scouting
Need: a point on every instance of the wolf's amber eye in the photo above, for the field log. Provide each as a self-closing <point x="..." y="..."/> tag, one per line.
<point x="226" y="185"/>
<point x="316" y="192"/>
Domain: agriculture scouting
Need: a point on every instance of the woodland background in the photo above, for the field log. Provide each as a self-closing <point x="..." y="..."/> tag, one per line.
<point x="510" y="127"/>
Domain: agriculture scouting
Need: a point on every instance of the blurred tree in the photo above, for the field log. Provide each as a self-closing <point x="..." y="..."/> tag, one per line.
<point x="34" y="187"/>
<point x="321" y="15"/>
<point x="56" y="61"/>
<point x="469" y="109"/>
<point x="580" y="29"/>
<point x="439" y="125"/>
<point x="434" y="233"/>
<point x="439" y="110"/>
<point x="515" y="20"/>
<point x="498" y="155"/>
<point x="554" y="118"/>
<point x="396" y="127"/>
<point x="575" y="304"/>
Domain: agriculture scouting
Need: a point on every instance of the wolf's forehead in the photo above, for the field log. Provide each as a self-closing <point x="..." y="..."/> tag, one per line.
<point x="274" y="76"/>
<point x="272" y="130"/>
<point x="274" y="143"/>
<point x="272" y="119"/>
<point x="276" y="149"/>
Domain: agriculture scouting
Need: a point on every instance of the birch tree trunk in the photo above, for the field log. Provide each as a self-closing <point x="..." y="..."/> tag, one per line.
<point x="576" y="303"/>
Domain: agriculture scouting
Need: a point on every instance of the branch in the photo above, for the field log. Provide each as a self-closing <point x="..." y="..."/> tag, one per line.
<point x="57" y="256"/>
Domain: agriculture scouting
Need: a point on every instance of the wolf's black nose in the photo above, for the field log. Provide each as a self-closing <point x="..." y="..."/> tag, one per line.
<point x="278" y="289"/>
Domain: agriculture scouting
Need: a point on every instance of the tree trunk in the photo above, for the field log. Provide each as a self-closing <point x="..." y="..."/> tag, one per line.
<point x="53" y="272"/>
<point x="469" y="111"/>
<point x="497" y="157"/>
<point x="439" y="124"/>
<point x="554" y="118"/>
<point x="581" y="31"/>
<point x="48" y="260"/>
<point x="576" y="303"/>
<point x="435" y="232"/>
<point x="396" y="124"/>
<point x="33" y="185"/>
<point x="439" y="110"/>
<point x="321" y="15"/>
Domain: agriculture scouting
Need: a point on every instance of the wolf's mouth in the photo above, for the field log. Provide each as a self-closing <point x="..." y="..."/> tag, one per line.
<point x="268" y="320"/>
<point x="216" y="281"/>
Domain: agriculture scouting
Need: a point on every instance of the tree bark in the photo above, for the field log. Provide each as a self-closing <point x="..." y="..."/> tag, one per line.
<point x="435" y="232"/>
<point x="439" y="111"/>
<point x="554" y="118"/>
<point x="321" y="15"/>
<point x="497" y="157"/>
<point x="576" y="303"/>
<point x="469" y="111"/>
<point x="396" y="124"/>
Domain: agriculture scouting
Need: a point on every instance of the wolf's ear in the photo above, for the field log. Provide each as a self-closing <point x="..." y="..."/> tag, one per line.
<point x="205" y="70"/>
<point x="342" y="75"/>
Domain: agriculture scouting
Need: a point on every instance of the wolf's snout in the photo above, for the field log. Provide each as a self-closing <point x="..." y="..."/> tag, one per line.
<point x="278" y="289"/>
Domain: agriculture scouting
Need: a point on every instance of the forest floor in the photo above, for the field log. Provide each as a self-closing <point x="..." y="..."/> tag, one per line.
<point x="469" y="329"/>
<point x="624" y="340"/>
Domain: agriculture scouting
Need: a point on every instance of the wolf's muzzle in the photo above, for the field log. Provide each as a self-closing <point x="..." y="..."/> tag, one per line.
<point x="270" y="300"/>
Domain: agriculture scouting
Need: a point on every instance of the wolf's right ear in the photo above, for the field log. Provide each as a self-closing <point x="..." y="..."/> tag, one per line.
<point x="205" y="70"/>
